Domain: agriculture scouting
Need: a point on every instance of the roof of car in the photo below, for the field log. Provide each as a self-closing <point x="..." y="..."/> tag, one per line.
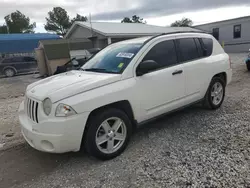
<point x="145" y="39"/>
<point x="136" y="40"/>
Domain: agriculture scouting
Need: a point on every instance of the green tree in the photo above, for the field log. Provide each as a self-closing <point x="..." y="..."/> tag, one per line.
<point x="126" y="20"/>
<point x="134" y="19"/>
<point x="79" y="18"/>
<point x="3" y="29"/>
<point x="184" y="22"/>
<point x="58" y="21"/>
<point x="19" y="23"/>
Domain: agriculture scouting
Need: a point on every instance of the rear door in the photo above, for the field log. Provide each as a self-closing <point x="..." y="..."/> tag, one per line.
<point x="18" y="63"/>
<point x="30" y="63"/>
<point x="191" y="55"/>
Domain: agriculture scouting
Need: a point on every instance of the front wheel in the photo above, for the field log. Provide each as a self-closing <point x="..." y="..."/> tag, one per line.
<point x="108" y="134"/>
<point x="215" y="93"/>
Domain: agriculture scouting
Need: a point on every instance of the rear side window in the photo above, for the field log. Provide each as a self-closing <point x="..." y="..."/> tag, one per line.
<point x="163" y="53"/>
<point x="6" y="61"/>
<point x="207" y="46"/>
<point x="199" y="47"/>
<point x="188" y="49"/>
<point x="17" y="59"/>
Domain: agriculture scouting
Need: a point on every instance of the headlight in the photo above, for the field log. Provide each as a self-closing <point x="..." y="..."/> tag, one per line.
<point x="47" y="105"/>
<point x="63" y="110"/>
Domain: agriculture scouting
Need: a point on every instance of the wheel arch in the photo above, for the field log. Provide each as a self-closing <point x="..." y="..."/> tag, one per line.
<point x="222" y="75"/>
<point x="10" y="67"/>
<point x="123" y="105"/>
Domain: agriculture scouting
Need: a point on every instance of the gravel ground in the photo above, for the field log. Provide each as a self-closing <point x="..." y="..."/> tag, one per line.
<point x="194" y="147"/>
<point x="11" y="94"/>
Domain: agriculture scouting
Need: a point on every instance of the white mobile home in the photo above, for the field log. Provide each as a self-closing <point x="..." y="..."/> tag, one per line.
<point x="234" y="34"/>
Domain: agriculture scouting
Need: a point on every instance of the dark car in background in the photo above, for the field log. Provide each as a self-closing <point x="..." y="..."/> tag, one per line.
<point x="10" y="66"/>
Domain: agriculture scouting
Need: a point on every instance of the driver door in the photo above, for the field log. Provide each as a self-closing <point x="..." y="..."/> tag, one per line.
<point x="161" y="90"/>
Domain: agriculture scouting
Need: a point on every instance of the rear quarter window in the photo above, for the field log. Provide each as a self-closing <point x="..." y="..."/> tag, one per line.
<point x="207" y="46"/>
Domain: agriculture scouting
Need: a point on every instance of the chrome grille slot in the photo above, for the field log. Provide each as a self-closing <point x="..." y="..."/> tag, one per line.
<point x="32" y="109"/>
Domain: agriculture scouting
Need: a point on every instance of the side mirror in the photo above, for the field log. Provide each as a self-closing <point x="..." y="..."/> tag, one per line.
<point x="146" y="66"/>
<point x="75" y="63"/>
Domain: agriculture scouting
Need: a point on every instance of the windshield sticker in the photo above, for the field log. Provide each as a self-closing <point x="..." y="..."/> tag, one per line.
<point x="125" y="55"/>
<point x="120" y="65"/>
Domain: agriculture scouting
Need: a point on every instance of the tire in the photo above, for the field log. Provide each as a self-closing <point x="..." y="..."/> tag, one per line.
<point x="9" y="72"/>
<point x="248" y="66"/>
<point x="99" y="127"/>
<point x="214" y="99"/>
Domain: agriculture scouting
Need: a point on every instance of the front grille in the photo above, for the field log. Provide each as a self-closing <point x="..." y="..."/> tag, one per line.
<point x="31" y="109"/>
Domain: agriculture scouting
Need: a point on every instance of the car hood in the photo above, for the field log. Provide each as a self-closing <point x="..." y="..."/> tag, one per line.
<point x="64" y="85"/>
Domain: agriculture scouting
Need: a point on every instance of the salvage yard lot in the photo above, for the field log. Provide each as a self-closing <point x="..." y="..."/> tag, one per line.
<point x="194" y="147"/>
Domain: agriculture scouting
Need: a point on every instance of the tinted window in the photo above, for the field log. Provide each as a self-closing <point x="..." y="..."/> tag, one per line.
<point x="207" y="46"/>
<point x="216" y="33"/>
<point x="28" y="59"/>
<point x="163" y="53"/>
<point x="6" y="61"/>
<point x="199" y="48"/>
<point x="17" y="59"/>
<point x="188" y="50"/>
<point x="237" y="31"/>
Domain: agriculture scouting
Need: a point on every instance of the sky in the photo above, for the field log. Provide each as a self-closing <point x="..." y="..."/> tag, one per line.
<point x="155" y="12"/>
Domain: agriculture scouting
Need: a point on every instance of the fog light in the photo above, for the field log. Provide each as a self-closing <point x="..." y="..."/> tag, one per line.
<point x="47" y="146"/>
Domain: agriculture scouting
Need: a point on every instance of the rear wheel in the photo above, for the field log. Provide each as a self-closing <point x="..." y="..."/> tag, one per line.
<point x="215" y="94"/>
<point x="108" y="134"/>
<point x="9" y="72"/>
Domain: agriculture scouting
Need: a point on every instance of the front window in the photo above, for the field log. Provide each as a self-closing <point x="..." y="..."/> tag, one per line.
<point x="113" y="59"/>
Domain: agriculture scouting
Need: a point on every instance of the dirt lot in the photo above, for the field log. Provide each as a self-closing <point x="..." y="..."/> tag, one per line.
<point x="191" y="148"/>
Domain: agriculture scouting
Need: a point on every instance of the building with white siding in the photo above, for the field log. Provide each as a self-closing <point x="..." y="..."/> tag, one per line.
<point x="233" y="34"/>
<point x="104" y="33"/>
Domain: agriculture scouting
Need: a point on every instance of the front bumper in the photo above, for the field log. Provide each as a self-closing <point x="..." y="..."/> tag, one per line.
<point x="57" y="135"/>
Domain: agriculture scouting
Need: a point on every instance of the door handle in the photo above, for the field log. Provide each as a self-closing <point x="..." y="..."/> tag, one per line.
<point x="177" y="72"/>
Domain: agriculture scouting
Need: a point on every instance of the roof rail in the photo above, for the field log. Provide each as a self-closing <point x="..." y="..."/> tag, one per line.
<point x="174" y="32"/>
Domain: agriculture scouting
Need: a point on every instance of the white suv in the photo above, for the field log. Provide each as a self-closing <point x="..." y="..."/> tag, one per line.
<point x="124" y="85"/>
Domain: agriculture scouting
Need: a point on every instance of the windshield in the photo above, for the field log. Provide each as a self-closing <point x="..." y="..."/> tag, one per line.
<point x="112" y="59"/>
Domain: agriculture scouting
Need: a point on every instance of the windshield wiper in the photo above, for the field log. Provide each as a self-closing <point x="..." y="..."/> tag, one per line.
<point x="97" y="70"/>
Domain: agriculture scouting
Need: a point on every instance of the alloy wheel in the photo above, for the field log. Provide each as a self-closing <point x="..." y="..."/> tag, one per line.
<point x="111" y="135"/>
<point x="217" y="93"/>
